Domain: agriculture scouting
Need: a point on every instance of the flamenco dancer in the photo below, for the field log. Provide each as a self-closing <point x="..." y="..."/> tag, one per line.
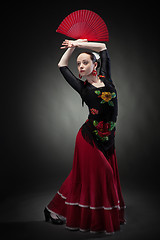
<point x="90" y="199"/>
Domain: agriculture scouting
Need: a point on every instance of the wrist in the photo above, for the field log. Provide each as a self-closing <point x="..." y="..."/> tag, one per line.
<point x="80" y="42"/>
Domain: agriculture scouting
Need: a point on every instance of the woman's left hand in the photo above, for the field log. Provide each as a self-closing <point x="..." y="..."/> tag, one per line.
<point x="72" y="43"/>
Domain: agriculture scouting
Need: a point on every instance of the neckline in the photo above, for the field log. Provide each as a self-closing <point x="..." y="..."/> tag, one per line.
<point x="97" y="87"/>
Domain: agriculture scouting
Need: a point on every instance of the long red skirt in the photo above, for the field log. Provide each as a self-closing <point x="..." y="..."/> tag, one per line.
<point x="90" y="199"/>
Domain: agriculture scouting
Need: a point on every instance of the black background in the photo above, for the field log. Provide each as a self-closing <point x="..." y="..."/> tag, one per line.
<point x="42" y="114"/>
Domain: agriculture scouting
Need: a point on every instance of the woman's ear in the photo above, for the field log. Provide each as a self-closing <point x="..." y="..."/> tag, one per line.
<point x="95" y="65"/>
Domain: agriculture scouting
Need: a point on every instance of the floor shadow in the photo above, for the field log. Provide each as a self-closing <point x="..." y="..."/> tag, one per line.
<point x="24" y="220"/>
<point x="42" y="230"/>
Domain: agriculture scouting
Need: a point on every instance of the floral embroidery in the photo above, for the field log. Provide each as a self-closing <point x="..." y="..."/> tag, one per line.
<point x="103" y="130"/>
<point x="94" y="111"/>
<point x="106" y="97"/>
<point x="101" y="76"/>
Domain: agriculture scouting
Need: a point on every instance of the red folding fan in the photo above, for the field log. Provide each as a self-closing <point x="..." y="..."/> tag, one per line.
<point x="84" y="24"/>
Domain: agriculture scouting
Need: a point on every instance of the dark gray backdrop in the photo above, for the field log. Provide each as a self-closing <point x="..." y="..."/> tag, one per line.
<point x="43" y="113"/>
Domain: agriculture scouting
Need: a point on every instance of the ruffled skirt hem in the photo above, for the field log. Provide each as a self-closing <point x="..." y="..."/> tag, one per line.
<point x="86" y="218"/>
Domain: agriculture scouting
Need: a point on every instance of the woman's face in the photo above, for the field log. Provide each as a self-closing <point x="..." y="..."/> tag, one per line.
<point x="85" y="64"/>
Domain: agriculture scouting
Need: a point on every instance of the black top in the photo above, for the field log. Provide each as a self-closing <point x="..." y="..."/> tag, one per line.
<point x="101" y="101"/>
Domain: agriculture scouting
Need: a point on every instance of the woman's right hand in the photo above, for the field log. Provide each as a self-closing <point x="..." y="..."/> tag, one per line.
<point x="72" y="43"/>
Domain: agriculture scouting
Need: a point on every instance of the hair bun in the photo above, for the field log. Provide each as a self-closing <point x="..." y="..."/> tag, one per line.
<point x="96" y="55"/>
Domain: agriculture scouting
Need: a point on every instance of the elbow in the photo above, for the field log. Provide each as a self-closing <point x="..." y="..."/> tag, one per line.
<point x="62" y="64"/>
<point x="103" y="47"/>
<point x="59" y="65"/>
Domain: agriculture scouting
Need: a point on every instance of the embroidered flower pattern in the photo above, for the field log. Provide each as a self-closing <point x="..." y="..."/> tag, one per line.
<point x="106" y="97"/>
<point x="101" y="76"/>
<point x="103" y="130"/>
<point x="94" y="111"/>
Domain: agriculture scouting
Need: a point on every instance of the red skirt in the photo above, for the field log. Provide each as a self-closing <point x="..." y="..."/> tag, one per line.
<point x="90" y="199"/>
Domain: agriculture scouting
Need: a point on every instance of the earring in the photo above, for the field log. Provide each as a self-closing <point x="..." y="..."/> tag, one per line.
<point x="80" y="76"/>
<point x="94" y="72"/>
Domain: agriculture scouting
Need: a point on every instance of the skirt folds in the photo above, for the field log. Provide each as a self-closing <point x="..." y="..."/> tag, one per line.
<point x="90" y="199"/>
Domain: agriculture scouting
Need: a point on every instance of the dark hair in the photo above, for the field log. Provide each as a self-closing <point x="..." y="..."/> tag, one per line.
<point x="93" y="57"/>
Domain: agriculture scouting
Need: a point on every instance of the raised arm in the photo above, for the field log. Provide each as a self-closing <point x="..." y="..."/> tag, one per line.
<point x="83" y="43"/>
<point x="94" y="46"/>
<point x="74" y="82"/>
<point x="105" y="64"/>
<point x="65" y="57"/>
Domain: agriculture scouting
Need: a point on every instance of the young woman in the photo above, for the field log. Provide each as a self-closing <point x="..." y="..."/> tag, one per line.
<point x="90" y="199"/>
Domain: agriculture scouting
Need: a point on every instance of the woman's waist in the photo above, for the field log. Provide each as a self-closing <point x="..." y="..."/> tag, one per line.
<point x="101" y="122"/>
<point x="101" y="117"/>
<point x="101" y="127"/>
<point x="102" y="131"/>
